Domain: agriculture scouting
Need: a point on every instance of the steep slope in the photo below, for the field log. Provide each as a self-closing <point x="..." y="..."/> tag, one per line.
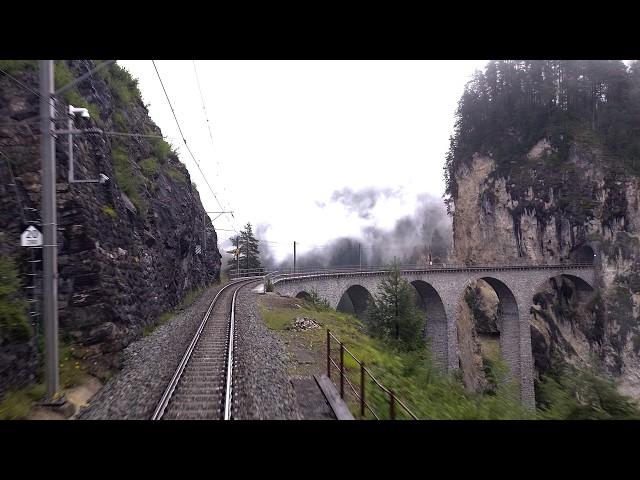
<point x="543" y="168"/>
<point x="127" y="248"/>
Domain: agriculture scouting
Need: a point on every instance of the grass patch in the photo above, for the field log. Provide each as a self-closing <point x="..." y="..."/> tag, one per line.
<point x="162" y="319"/>
<point x="411" y="375"/>
<point x="63" y="76"/>
<point x="161" y="149"/>
<point x="16" y="404"/>
<point x="71" y="371"/>
<point x="150" y="167"/>
<point x="186" y="302"/>
<point x="119" y="120"/>
<point x="122" y="85"/>
<point x="128" y="179"/>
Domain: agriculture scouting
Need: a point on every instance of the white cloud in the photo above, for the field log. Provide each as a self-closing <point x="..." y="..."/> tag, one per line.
<point x="287" y="134"/>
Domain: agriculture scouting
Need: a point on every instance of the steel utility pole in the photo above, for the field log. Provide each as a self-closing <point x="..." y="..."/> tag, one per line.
<point x="294" y="256"/>
<point x="360" y="255"/>
<point x="49" y="247"/>
<point x="246" y="245"/>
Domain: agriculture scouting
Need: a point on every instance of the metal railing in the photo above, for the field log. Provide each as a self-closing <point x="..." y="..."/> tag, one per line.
<point x="251" y="272"/>
<point x="310" y="272"/>
<point x="360" y="393"/>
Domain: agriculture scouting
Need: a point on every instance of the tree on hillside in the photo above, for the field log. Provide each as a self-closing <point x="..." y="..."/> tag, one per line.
<point x="392" y="313"/>
<point x="511" y="105"/>
<point x="245" y="246"/>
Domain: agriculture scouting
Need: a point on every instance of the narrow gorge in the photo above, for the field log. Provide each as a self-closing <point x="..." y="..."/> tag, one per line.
<point x="544" y="168"/>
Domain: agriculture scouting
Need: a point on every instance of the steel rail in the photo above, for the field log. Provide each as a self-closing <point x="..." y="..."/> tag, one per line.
<point x="230" y="348"/>
<point x="171" y="387"/>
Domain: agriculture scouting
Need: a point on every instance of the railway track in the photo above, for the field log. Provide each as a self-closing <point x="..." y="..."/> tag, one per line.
<point x="202" y="386"/>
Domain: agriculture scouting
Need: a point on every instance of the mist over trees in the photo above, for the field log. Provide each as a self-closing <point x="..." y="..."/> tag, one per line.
<point x="505" y="110"/>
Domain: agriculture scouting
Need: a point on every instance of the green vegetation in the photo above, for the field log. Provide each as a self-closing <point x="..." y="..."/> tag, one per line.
<point x="410" y="374"/>
<point x="122" y="85"/>
<point x="582" y="395"/>
<point x="128" y="180"/>
<point x="16" y="403"/>
<point x="319" y="304"/>
<point x="14" y="67"/>
<point x="150" y="167"/>
<point x="268" y="285"/>
<point x="510" y="106"/>
<point x="573" y="394"/>
<point x="161" y="149"/>
<point x="175" y="174"/>
<point x="187" y="301"/>
<point x="119" y="120"/>
<point x="107" y="210"/>
<point x="71" y="371"/>
<point x="392" y="314"/>
<point x="14" y="322"/>
<point x="63" y="76"/>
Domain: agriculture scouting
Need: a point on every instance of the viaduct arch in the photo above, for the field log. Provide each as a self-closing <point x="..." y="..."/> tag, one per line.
<point x="440" y="290"/>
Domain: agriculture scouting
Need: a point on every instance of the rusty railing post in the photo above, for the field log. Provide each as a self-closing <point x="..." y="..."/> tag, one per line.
<point x="392" y="401"/>
<point x="362" y="389"/>
<point x="341" y="370"/>
<point x="328" y="354"/>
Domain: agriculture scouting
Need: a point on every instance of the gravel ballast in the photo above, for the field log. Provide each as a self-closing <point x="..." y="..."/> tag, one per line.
<point x="261" y="388"/>
<point x="148" y="365"/>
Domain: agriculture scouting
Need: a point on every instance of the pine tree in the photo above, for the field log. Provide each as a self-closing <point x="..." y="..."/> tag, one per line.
<point x="246" y="246"/>
<point x="392" y="313"/>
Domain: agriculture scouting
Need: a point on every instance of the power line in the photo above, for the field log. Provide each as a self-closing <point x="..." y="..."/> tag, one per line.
<point x="204" y="109"/>
<point x="202" y="99"/>
<point x="183" y="139"/>
<point x="123" y="134"/>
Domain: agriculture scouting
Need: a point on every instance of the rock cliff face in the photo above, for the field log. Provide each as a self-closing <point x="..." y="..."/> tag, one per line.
<point x="127" y="248"/>
<point x="552" y="211"/>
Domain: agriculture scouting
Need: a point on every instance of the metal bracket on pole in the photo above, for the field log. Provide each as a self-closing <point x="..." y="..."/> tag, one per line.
<point x="71" y="131"/>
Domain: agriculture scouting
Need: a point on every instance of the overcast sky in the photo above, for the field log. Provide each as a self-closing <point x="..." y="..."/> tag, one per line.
<point x="290" y="136"/>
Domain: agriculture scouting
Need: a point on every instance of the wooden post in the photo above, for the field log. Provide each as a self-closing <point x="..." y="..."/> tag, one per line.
<point x="328" y="354"/>
<point x="362" y="412"/>
<point x="341" y="370"/>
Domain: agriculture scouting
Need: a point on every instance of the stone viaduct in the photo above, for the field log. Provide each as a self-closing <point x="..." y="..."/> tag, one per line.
<point x="440" y="290"/>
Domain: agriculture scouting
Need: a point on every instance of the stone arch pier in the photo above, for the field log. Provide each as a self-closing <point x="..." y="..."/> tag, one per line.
<point x="440" y="290"/>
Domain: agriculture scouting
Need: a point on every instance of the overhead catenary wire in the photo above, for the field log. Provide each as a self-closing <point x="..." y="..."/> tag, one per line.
<point x="184" y="139"/>
<point x="63" y="114"/>
<point x="206" y="117"/>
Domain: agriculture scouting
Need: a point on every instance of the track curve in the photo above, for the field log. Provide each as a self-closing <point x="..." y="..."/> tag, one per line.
<point x="201" y="387"/>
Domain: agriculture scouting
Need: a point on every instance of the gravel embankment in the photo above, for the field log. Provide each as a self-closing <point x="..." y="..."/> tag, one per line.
<point x="262" y="389"/>
<point x="148" y="365"/>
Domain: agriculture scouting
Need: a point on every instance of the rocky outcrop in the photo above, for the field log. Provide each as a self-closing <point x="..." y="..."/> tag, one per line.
<point x="127" y="248"/>
<point x="549" y="209"/>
